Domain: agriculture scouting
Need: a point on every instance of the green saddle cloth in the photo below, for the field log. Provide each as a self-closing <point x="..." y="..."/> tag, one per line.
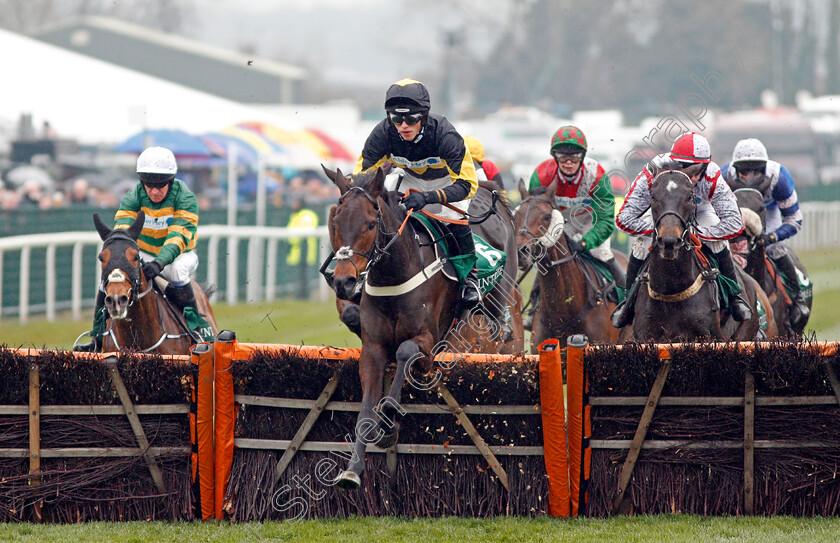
<point x="604" y="269"/>
<point x="489" y="261"/>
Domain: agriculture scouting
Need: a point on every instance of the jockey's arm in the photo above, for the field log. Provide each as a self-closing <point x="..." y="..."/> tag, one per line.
<point x="784" y="193"/>
<point x="631" y="217"/>
<point x="182" y="230"/>
<point x="603" y="213"/>
<point x="725" y="207"/>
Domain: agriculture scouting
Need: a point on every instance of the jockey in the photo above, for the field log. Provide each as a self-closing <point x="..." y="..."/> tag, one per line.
<point x="716" y="217"/>
<point x="434" y="160"/>
<point x="584" y="196"/>
<point x="485" y="169"/>
<point x="752" y="167"/>
<point x="166" y="241"/>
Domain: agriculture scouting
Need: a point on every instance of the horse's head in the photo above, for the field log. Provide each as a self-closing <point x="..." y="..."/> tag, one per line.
<point x="120" y="258"/>
<point x="671" y="204"/>
<point x="354" y="226"/>
<point x="539" y="224"/>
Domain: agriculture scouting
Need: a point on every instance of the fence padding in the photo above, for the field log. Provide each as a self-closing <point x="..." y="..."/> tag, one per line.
<point x="426" y="485"/>
<point x="693" y="458"/>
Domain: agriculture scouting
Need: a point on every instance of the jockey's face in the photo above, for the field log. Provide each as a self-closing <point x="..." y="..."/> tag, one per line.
<point x="568" y="163"/>
<point x="156" y="193"/>
<point x="408" y="131"/>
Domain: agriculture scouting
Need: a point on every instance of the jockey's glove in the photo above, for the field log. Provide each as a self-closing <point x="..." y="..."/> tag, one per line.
<point x="767" y="239"/>
<point x="151" y="269"/>
<point x="576" y="246"/>
<point x="415" y="201"/>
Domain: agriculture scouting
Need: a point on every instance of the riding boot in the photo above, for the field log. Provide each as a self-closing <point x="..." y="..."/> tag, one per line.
<point x="184" y="299"/>
<point x="799" y="310"/>
<point x="98" y="330"/>
<point x="625" y="311"/>
<point x="470" y="291"/>
<point x="738" y="306"/>
<point x="533" y="302"/>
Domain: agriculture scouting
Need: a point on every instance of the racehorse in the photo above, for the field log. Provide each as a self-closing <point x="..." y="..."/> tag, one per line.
<point x="680" y="300"/>
<point x="756" y="262"/>
<point x="141" y="319"/>
<point x="572" y="301"/>
<point x="407" y="307"/>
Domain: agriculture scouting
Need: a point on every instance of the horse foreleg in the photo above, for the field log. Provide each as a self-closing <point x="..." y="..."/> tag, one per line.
<point x="371" y="368"/>
<point x="409" y="352"/>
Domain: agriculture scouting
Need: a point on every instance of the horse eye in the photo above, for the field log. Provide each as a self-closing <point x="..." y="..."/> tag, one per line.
<point x="547" y="217"/>
<point x="371" y="225"/>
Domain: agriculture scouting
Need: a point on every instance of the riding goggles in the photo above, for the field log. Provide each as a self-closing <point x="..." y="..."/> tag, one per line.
<point x="409" y="118"/>
<point x="155" y="180"/>
<point x="573" y="158"/>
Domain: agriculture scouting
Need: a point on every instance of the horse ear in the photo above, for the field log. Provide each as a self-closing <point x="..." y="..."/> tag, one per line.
<point x="523" y="190"/>
<point x="137" y="226"/>
<point x="551" y="189"/>
<point x="691" y="171"/>
<point x="338" y="178"/>
<point x="378" y="184"/>
<point x="103" y="230"/>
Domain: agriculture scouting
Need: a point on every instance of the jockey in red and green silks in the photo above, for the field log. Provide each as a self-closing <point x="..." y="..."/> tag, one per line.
<point x="584" y="197"/>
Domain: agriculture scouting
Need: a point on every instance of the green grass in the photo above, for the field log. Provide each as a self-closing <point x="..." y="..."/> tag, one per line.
<point x="652" y="529"/>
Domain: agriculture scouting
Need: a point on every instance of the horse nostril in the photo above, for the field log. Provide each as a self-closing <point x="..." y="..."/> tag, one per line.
<point x="123" y="299"/>
<point x="109" y="300"/>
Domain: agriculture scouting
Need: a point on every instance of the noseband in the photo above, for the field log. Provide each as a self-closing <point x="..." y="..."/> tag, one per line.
<point x="117" y="275"/>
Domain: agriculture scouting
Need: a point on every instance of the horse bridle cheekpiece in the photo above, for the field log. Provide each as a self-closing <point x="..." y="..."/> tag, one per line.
<point x="378" y="251"/>
<point x="118" y="275"/>
<point x="686" y="235"/>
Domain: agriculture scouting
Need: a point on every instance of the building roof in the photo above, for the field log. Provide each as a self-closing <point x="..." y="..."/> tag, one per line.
<point x="98" y="102"/>
<point x="195" y="64"/>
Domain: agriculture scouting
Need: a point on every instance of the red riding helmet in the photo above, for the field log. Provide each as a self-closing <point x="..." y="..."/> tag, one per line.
<point x="691" y="147"/>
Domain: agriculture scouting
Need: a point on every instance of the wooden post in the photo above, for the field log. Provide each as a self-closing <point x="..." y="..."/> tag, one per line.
<point x="832" y="378"/>
<point x="303" y="431"/>
<point x="458" y="411"/>
<point x="134" y="420"/>
<point x="35" y="433"/>
<point x="619" y="503"/>
<point x="749" y="442"/>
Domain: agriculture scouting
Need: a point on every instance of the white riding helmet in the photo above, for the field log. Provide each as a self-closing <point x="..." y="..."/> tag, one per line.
<point x="157" y="160"/>
<point x="749" y="149"/>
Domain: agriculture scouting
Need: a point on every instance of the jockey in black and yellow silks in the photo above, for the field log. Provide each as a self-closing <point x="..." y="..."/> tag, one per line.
<point x="434" y="159"/>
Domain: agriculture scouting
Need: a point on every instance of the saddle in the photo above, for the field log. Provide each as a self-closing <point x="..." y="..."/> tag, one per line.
<point x="600" y="279"/>
<point x="489" y="260"/>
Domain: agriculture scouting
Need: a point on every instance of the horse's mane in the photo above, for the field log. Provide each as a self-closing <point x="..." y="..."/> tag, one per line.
<point x="500" y="190"/>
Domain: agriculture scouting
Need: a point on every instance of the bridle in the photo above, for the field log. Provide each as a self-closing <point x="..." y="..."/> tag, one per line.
<point x="552" y="235"/>
<point x="117" y="275"/>
<point x="375" y="254"/>
<point x="685" y="238"/>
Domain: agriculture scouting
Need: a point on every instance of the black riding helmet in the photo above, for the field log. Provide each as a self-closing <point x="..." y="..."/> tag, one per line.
<point x="408" y="96"/>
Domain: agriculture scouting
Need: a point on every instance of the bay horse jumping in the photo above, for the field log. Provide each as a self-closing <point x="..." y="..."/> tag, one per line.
<point x="678" y="297"/>
<point x="571" y="300"/>
<point x="141" y="319"/>
<point x="407" y="306"/>
<point x="756" y="262"/>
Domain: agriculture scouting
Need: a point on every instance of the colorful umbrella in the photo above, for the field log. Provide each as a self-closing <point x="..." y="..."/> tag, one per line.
<point x="182" y="144"/>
